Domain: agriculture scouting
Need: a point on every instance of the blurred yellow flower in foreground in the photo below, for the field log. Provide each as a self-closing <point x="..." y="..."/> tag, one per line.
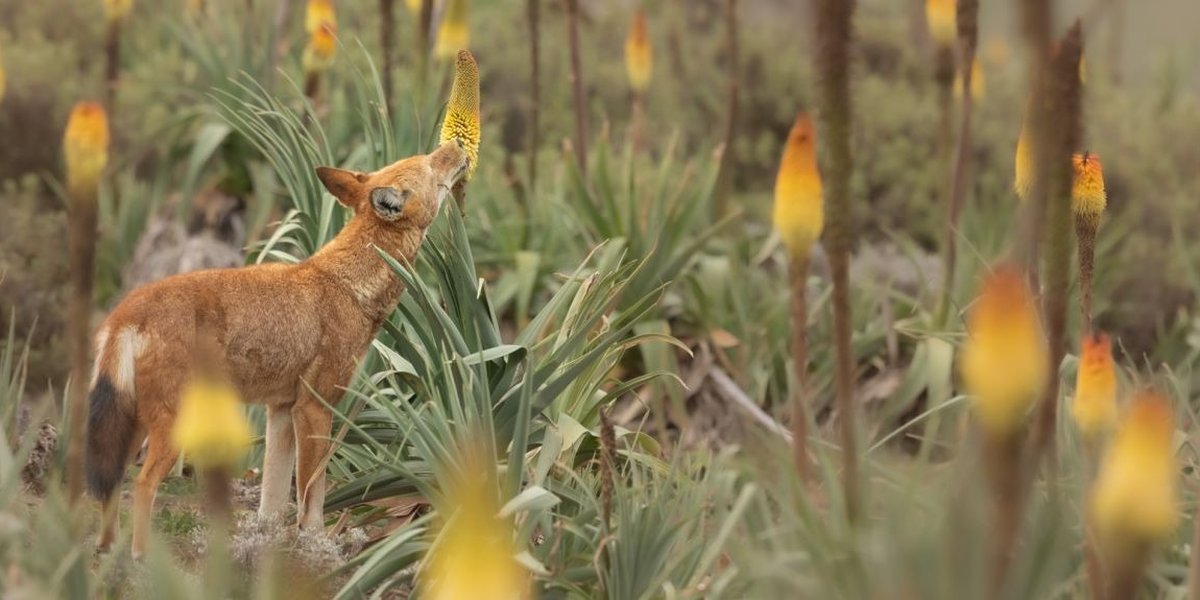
<point x="454" y="33"/>
<point x="1004" y="361"/>
<point x="941" y="17"/>
<point x="320" y="51"/>
<point x="1133" y="501"/>
<point x="211" y="429"/>
<point x="1088" y="198"/>
<point x="414" y="6"/>
<point x="474" y="556"/>
<point x="977" y="82"/>
<point x="115" y="10"/>
<point x="1023" y="166"/>
<point x="639" y="58"/>
<point x="462" y="110"/>
<point x="85" y="147"/>
<point x="799" y="214"/>
<point x="2" y="77"/>
<point x="1095" y="405"/>
<point x="319" y="13"/>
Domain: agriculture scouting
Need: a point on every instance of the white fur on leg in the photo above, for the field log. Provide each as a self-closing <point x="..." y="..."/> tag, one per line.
<point x="279" y="462"/>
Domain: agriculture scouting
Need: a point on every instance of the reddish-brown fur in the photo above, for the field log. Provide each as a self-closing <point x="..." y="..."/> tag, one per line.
<point x="279" y="329"/>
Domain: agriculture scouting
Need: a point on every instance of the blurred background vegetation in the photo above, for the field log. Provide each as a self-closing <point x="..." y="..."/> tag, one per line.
<point x="638" y="289"/>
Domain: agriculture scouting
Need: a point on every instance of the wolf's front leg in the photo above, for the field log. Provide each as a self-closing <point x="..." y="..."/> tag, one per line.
<point x="279" y="461"/>
<point x="313" y="423"/>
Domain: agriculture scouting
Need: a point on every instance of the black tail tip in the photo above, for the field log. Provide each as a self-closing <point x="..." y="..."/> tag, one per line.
<point x="110" y="430"/>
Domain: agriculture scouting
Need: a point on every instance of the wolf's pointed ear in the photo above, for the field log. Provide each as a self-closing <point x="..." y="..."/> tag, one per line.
<point x="346" y="186"/>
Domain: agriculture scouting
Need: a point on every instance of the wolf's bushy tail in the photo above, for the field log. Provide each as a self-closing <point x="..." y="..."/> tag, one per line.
<point x="110" y="429"/>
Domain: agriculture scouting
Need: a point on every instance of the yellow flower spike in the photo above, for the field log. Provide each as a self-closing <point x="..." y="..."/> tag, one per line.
<point x="977" y="82"/>
<point x="462" y="111"/>
<point x="318" y="13"/>
<point x="1088" y="198"/>
<point x="320" y="51"/>
<point x="1004" y="360"/>
<point x="799" y="214"/>
<point x="1023" y="166"/>
<point x="115" y="10"/>
<point x="211" y="429"/>
<point x="942" y="20"/>
<point x="454" y="33"/>
<point x="85" y="147"/>
<point x="414" y="6"/>
<point x="639" y="57"/>
<point x="1095" y="405"/>
<point x="1133" y="501"/>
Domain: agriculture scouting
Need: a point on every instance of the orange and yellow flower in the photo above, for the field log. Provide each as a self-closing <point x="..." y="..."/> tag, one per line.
<point x="1088" y="199"/>
<point x="317" y="15"/>
<point x="85" y="147"/>
<point x="454" y="33"/>
<point x="462" y="111"/>
<point x="1133" y="501"/>
<point x="1095" y="405"/>
<point x="1004" y="361"/>
<point x="639" y="58"/>
<point x="211" y="429"/>
<point x="941" y="17"/>
<point x="320" y="51"/>
<point x="799" y="214"/>
<point x="115" y="10"/>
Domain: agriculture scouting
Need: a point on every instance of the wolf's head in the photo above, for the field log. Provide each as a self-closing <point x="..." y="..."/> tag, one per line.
<point x="406" y="194"/>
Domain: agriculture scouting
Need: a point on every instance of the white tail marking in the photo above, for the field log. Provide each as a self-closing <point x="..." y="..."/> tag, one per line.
<point x="130" y="345"/>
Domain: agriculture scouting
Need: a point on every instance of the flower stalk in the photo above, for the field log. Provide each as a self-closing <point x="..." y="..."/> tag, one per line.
<point x="799" y="218"/>
<point x="533" y="17"/>
<point x="639" y="68"/>
<point x="834" y="29"/>
<point x="1088" y="201"/>
<point x="212" y="432"/>
<point x="387" y="43"/>
<point x="1060" y="134"/>
<point x="320" y="22"/>
<point x="85" y="149"/>
<point x="968" y="39"/>
<point x="115" y="12"/>
<point x="1003" y="366"/>
<point x="577" y="87"/>
<point x="724" y="183"/>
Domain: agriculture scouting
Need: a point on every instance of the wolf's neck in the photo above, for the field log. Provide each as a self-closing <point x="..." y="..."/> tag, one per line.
<point x="351" y="259"/>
